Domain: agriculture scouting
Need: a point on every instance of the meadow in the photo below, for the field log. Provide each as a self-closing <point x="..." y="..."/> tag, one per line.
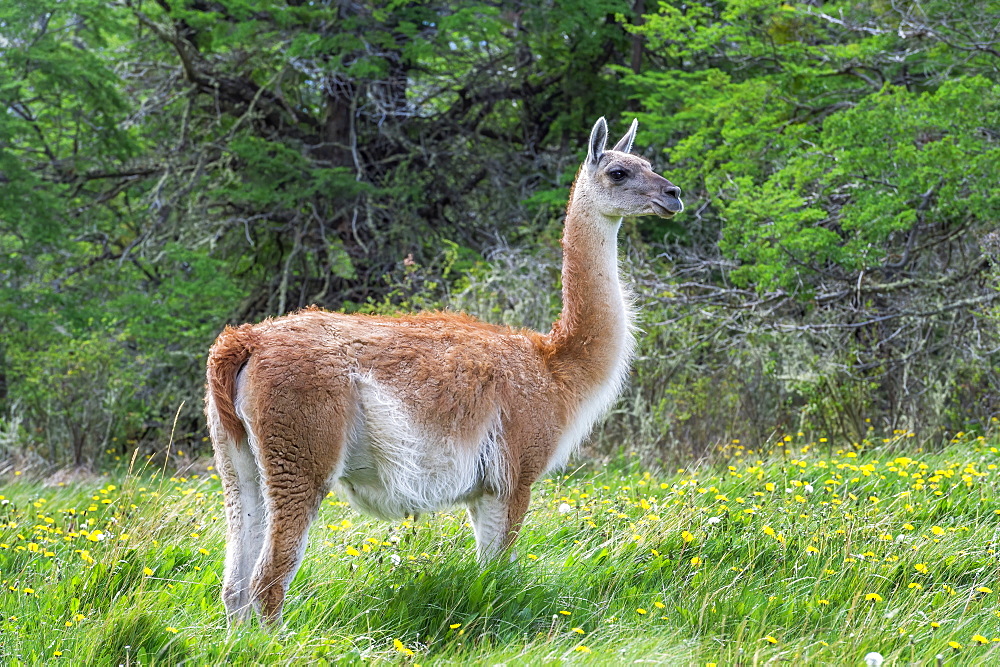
<point x="801" y="554"/>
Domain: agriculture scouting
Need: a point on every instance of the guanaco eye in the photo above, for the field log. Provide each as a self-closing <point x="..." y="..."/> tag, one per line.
<point x="618" y="174"/>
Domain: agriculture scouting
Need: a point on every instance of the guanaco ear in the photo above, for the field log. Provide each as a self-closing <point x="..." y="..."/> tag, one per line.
<point x="625" y="143"/>
<point x="598" y="140"/>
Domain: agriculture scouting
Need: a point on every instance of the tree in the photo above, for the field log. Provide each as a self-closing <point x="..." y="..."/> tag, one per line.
<point x="200" y="162"/>
<point x="167" y="166"/>
<point x="845" y="158"/>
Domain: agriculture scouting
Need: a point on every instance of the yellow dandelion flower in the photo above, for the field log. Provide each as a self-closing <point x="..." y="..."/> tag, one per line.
<point x="824" y="602"/>
<point x="935" y="624"/>
<point x="955" y="645"/>
<point x="768" y="531"/>
<point x="579" y="631"/>
<point x="686" y="536"/>
<point x="640" y="610"/>
<point x="937" y="530"/>
<point x="565" y="613"/>
<point x="770" y="639"/>
<point x="921" y="568"/>
<point x="148" y="572"/>
<point x="915" y="585"/>
<point x="582" y="649"/>
<point x="980" y="639"/>
<point x="401" y="647"/>
<point x="812" y="550"/>
<point x="873" y="597"/>
<point x="351" y="551"/>
<point x="696" y="561"/>
<point x="172" y="629"/>
<point x="455" y="626"/>
<point x="984" y="589"/>
<point x="203" y="551"/>
<point x="659" y="605"/>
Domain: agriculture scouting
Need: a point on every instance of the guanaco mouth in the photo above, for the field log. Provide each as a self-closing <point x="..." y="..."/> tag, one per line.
<point x="667" y="207"/>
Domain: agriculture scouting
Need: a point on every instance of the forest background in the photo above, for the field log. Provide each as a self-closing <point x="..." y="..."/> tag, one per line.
<point x="170" y="166"/>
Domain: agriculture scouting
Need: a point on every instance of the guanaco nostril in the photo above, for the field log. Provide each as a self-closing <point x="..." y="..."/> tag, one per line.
<point x="673" y="191"/>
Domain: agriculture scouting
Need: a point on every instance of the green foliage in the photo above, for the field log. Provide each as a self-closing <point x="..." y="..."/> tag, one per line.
<point x="112" y="351"/>
<point x="805" y="170"/>
<point x="876" y="170"/>
<point x="168" y="167"/>
<point x="837" y="161"/>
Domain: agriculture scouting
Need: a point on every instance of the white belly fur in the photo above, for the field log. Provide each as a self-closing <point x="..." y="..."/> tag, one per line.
<point x="391" y="469"/>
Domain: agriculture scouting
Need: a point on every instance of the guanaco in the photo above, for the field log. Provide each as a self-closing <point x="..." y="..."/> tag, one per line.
<point x="415" y="413"/>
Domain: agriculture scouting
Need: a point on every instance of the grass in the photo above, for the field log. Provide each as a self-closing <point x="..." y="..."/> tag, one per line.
<point x="803" y="555"/>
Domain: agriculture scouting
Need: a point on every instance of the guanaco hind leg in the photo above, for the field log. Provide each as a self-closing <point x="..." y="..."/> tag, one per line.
<point x="245" y="519"/>
<point x="245" y="514"/>
<point x="297" y="463"/>
<point x="289" y="517"/>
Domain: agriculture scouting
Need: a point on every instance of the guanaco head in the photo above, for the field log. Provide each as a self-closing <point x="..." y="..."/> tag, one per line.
<point x="618" y="184"/>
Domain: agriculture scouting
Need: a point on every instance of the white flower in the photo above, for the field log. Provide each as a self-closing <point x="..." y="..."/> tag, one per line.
<point x="874" y="659"/>
<point x="714" y="519"/>
<point x="565" y="508"/>
<point x="808" y="488"/>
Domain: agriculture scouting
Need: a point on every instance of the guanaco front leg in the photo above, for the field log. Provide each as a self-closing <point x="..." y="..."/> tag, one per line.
<point x="496" y="521"/>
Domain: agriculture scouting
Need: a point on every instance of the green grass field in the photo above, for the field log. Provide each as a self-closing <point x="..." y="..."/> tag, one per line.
<point x="800" y="556"/>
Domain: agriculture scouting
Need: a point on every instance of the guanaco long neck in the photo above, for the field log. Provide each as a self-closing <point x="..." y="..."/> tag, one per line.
<point x="592" y="340"/>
